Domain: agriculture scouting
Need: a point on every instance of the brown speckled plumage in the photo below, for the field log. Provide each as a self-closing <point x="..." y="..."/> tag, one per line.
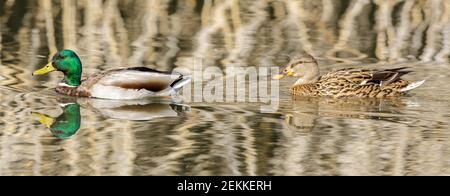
<point x="351" y="83"/>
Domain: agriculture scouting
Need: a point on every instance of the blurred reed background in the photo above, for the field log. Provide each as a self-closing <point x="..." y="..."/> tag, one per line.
<point x="139" y="32"/>
<point x="307" y="136"/>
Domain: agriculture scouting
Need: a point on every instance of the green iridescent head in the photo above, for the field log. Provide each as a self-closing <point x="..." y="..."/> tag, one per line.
<point x="68" y="62"/>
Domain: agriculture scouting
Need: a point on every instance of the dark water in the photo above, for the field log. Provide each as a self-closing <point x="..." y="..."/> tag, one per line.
<point x="305" y="136"/>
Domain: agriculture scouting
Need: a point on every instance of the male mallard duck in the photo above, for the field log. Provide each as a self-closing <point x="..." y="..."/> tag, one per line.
<point x="348" y="82"/>
<point x="124" y="83"/>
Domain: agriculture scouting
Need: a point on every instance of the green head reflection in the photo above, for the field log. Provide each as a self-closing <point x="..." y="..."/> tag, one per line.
<point x="66" y="124"/>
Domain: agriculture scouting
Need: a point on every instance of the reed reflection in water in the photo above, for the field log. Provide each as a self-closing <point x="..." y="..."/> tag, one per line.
<point x="307" y="136"/>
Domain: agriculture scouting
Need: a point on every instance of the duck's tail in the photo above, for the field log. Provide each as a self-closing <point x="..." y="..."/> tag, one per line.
<point x="413" y="85"/>
<point x="180" y="82"/>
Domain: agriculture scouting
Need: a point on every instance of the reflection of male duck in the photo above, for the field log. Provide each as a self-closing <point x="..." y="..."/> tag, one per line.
<point x="137" y="110"/>
<point x="66" y="124"/>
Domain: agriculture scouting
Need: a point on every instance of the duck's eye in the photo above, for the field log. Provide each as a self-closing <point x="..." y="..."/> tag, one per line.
<point x="61" y="57"/>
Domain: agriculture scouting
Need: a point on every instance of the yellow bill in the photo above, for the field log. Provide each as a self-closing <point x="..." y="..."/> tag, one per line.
<point x="45" y="120"/>
<point x="282" y="75"/>
<point x="46" y="69"/>
<point x="278" y="77"/>
<point x="290" y="73"/>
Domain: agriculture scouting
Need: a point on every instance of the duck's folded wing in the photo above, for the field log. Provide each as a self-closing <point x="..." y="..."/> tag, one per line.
<point x="387" y="76"/>
<point x="365" y="76"/>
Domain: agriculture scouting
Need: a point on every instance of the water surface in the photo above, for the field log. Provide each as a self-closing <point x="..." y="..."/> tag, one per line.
<point x="305" y="136"/>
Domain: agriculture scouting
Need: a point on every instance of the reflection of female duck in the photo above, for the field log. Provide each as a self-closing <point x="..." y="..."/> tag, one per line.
<point x="66" y="124"/>
<point x="305" y="110"/>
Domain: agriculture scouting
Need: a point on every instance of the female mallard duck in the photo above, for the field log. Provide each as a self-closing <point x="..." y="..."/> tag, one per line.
<point x="348" y="82"/>
<point x="124" y="83"/>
